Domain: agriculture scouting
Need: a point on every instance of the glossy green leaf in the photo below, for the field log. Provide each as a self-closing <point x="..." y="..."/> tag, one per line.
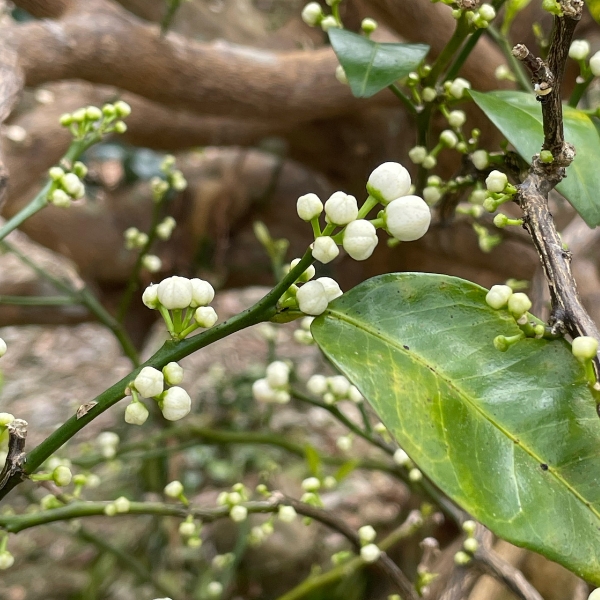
<point x="594" y="8"/>
<point x="372" y="66"/>
<point x="511" y="437"/>
<point x="518" y="116"/>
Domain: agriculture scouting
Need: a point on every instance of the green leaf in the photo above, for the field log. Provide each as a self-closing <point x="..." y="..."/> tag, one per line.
<point x="346" y="469"/>
<point x="513" y="437"/>
<point x="518" y="116"/>
<point x="371" y="66"/>
<point x="313" y="460"/>
<point x="594" y="8"/>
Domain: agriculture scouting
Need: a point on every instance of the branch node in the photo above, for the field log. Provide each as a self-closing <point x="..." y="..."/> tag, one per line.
<point x="15" y="459"/>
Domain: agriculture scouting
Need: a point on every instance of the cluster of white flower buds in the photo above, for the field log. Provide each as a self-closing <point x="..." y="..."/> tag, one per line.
<point x="233" y="500"/>
<point x="66" y="186"/>
<point x="183" y="304"/>
<point x="274" y="388"/>
<point x="174" y="402"/>
<point x="93" y="120"/>
<point x="120" y="506"/>
<point x="333" y="389"/>
<point x="369" y="551"/>
<point x="313" y="16"/>
<point x="403" y="460"/>
<point x="470" y="545"/>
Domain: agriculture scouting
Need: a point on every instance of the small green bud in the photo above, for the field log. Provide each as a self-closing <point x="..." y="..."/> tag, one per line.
<point x="55" y="173"/>
<point x="66" y="119"/>
<point x="108" y="110"/>
<point x="120" y="127"/>
<point x="80" y="169"/>
<point x="122" y="109"/>
<point x="462" y="558"/>
<point x="79" y="115"/>
<point x="471" y="545"/>
<point x="469" y="527"/>
<point x="519" y="304"/>
<point x="500" y="220"/>
<point x="546" y="156"/>
<point x="584" y="348"/>
<point x="93" y="113"/>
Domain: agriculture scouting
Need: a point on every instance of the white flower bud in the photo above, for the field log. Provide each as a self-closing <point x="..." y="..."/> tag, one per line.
<point x="174" y="489"/>
<point x="165" y="229"/>
<point x="206" y="316"/>
<point x="341" y="208"/>
<point x="354" y="395"/>
<point x="62" y="476"/>
<point x="344" y="443"/>
<point x="360" y="239"/>
<point x="595" y="67"/>
<point x="214" y="589"/>
<point x="108" y="439"/>
<point x="311" y="484"/>
<point x="584" y="347"/>
<point x="187" y="529"/>
<point x="401" y="458"/>
<point x="150" y="296"/>
<point x="287" y="514"/>
<point x="312" y="14"/>
<point x="481" y="159"/>
<point x="417" y="155"/>
<point x="238" y="513"/>
<point x="325" y="249"/>
<point x="431" y="195"/>
<point x="388" y="182"/>
<point x="471" y="545"/>
<point x="429" y="94"/>
<point x="149" y="382"/>
<point x="328" y="22"/>
<point x="202" y="292"/>
<point x="262" y="391"/>
<point x="175" y="404"/>
<point x="136" y="413"/>
<point x="415" y="475"/>
<point x="579" y="49"/>
<point x="60" y="198"/>
<point x="55" y="173"/>
<point x="278" y="374"/>
<point x="595" y="595"/>
<point x="281" y="397"/>
<point x="71" y="184"/>
<point x="7" y="560"/>
<point x="317" y="385"/>
<point x="332" y="288"/>
<point x="429" y="162"/>
<point x="370" y="553"/>
<point x="173" y="373"/>
<point x="309" y="206"/>
<point x="457" y="118"/>
<point x="339" y="385"/>
<point x="340" y="75"/>
<point x="407" y="219"/>
<point x="307" y="275"/>
<point x="519" y="304"/>
<point x="368" y="25"/>
<point x="3" y="347"/>
<point x="498" y="296"/>
<point x="312" y="298"/>
<point x="152" y="263"/>
<point x="367" y="534"/>
<point x="122" y="109"/>
<point x="487" y="12"/>
<point x="496" y="182"/>
<point x="122" y="504"/>
<point x="449" y="138"/>
<point x="175" y="292"/>
<point x="6" y="419"/>
<point x="458" y="86"/>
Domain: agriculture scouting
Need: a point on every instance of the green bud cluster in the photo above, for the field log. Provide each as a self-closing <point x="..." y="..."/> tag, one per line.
<point x="95" y="121"/>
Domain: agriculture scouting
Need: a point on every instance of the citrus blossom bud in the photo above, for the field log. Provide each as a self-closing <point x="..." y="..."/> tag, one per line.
<point x="136" y="413"/>
<point x="328" y="22"/>
<point x="498" y="296"/>
<point x="62" y="476"/>
<point x="309" y="206"/>
<point x="370" y="553"/>
<point x="7" y="560"/>
<point x="174" y="489"/>
<point x="360" y="239"/>
<point x="480" y="159"/>
<point x="595" y="67"/>
<point x="238" y="513"/>
<point x="202" y="292"/>
<point x="367" y="534"/>
<point x="458" y="86"/>
<point x="175" y="404"/>
<point x="175" y="292"/>
<point x="152" y="263"/>
<point x="496" y="182"/>
<point x="317" y="385"/>
<point x="173" y="373"/>
<point x="149" y="382"/>
<point x="584" y="347"/>
<point x="287" y="514"/>
<point x="457" y="118"/>
<point x="388" y="182"/>
<point x="332" y="288"/>
<point x="206" y="316"/>
<point x="341" y="208"/>
<point x="519" y="304"/>
<point x="312" y="14"/>
<point x="312" y="298"/>
<point x="278" y="374"/>
<point x="417" y="155"/>
<point x="262" y="391"/>
<point x="407" y="219"/>
<point x="579" y="49"/>
<point x="6" y="419"/>
<point x="448" y="138"/>
<point x="150" y="296"/>
<point x="325" y="249"/>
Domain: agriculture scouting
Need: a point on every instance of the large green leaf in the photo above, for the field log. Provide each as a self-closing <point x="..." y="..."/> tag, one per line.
<point x="511" y="437"/>
<point x="518" y="116"/>
<point x="371" y="66"/>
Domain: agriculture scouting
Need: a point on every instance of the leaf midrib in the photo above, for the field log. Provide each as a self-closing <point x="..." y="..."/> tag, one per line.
<point x="463" y="394"/>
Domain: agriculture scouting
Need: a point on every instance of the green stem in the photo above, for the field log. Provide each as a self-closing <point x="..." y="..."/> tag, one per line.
<point x="447" y="54"/>
<point x="134" y="279"/>
<point x="468" y="47"/>
<point x="515" y="65"/>
<point x="171" y="351"/>
<point x="412" y="109"/>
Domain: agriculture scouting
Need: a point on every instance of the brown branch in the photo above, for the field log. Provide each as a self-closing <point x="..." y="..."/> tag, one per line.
<point x="15" y="459"/>
<point x="568" y="314"/>
<point x="44" y="9"/>
<point x="103" y="43"/>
